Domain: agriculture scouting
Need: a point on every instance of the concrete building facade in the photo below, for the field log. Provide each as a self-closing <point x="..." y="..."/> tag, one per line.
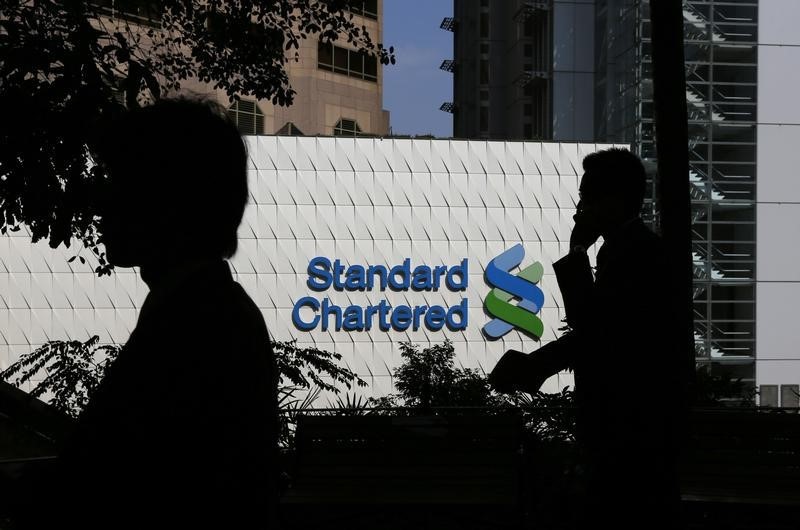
<point x="777" y="209"/>
<point x="339" y="91"/>
<point x="523" y="70"/>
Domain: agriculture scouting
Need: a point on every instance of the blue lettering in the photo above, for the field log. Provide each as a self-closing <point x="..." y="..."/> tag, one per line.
<point x="435" y="317"/>
<point x="327" y="310"/>
<point x="319" y="273"/>
<point x="418" y="312"/>
<point x="404" y="271"/>
<point x="460" y="270"/>
<point x="369" y="312"/>
<point x="355" y="278"/>
<point x="401" y="317"/>
<point x="438" y="272"/>
<point x="297" y="321"/>
<point x="461" y="310"/>
<point x="353" y="319"/>
<point x="324" y="274"/>
<point x="338" y="271"/>
<point x="382" y="273"/>
<point x="383" y="312"/>
<point x="421" y="280"/>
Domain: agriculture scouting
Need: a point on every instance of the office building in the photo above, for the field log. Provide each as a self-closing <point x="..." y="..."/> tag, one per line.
<point x="339" y="91"/>
<point x="740" y="121"/>
<point x="741" y="58"/>
<point x="522" y="70"/>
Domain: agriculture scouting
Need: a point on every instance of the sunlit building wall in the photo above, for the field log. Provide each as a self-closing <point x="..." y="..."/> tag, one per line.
<point x="778" y="203"/>
<point x="338" y="90"/>
<point x="364" y="202"/>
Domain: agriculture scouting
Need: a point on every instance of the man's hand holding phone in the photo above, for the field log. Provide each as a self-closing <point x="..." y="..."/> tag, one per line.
<point x="585" y="232"/>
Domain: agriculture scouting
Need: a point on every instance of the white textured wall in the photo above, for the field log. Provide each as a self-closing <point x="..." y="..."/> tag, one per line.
<point x="365" y="201"/>
<point x="778" y="194"/>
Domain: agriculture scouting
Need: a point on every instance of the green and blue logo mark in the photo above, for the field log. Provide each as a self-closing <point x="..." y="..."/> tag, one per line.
<point x="506" y="286"/>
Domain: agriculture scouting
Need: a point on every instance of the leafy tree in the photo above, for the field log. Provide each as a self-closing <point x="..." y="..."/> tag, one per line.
<point x="70" y="370"/>
<point x="428" y="378"/>
<point x="304" y="367"/>
<point x="64" y="66"/>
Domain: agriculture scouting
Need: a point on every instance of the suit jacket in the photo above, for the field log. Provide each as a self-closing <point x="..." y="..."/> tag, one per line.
<point x="625" y="347"/>
<point x="182" y="431"/>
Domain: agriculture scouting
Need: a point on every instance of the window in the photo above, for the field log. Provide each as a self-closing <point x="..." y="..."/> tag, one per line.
<point x="790" y="396"/>
<point x="247" y="116"/>
<point x="347" y="62"/>
<point x="484" y="72"/>
<point x="484" y="23"/>
<point x="527" y="109"/>
<point x="346" y="127"/>
<point x="768" y="395"/>
<point x="146" y="12"/>
<point x="289" y="129"/>
<point x="484" y="47"/>
<point x="367" y="9"/>
<point x="484" y="119"/>
<point x="484" y="95"/>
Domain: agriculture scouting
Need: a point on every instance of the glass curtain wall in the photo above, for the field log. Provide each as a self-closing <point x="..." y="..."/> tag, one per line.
<point x="721" y="95"/>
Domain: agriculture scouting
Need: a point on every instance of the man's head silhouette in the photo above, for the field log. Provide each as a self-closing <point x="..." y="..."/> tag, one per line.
<point x="177" y="184"/>
<point x="612" y="190"/>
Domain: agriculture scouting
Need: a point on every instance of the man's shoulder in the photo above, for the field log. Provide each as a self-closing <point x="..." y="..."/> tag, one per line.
<point x="227" y="306"/>
<point x="641" y="239"/>
<point x="203" y="311"/>
<point x="639" y="252"/>
<point x="213" y="291"/>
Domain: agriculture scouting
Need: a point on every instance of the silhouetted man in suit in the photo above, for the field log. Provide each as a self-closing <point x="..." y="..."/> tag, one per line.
<point x="624" y="349"/>
<point x="182" y="431"/>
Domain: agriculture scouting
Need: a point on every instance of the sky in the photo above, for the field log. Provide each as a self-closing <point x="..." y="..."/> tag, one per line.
<point x="415" y="87"/>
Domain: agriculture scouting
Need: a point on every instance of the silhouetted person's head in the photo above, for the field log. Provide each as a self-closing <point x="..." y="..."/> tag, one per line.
<point x="612" y="188"/>
<point x="177" y="184"/>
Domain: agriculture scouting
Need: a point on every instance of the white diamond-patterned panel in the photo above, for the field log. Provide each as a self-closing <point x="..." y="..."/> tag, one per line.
<point x="363" y="201"/>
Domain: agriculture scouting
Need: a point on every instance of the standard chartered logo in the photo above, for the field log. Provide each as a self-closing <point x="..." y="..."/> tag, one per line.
<point x="507" y="314"/>
<point x="513" y="302"/>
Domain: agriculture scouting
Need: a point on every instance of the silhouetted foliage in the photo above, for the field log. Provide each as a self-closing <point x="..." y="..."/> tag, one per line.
<point x="428" y="378"/>
<point x="65" y="66"/>
<point x="304" y="367"/>
<point x="350" y="405"/>
<point x="291" y="405"/>
<point x="65" y="373"/>
<point x="716" y="389"/>
<point x="548" y="417"/>
<point x="70" y="372"/>
<point x="304" y="373"/>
